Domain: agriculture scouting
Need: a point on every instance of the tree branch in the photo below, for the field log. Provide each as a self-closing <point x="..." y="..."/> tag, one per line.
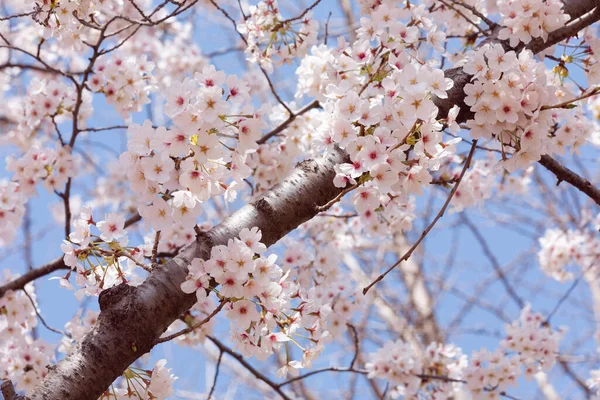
<point x="249" y="367"/>
<point x="563" y="173"/>
<point x="132" y="319"/>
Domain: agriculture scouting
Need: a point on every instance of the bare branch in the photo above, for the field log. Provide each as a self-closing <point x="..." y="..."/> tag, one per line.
<point x="439" y="215"/>
<point x="563" y="173"/>
<point x="250" y="368"/>
<point x="193" y="327"/>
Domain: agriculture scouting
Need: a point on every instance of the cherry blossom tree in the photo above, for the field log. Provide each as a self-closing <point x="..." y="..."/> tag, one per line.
<point x="307" y="206"/>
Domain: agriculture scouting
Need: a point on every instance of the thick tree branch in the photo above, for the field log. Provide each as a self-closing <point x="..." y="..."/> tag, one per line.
<point x="132" y="319"/>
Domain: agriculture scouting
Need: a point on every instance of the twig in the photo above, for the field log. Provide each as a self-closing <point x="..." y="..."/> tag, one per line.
<point x="42" y="319"/>
<point x="288" y="121"/>
<point x="353" y="215"/>
<point x="569" y="103"/>
<point x="562" y="300"/>
<point x="476" y="12"/>
<point x="279" y="100"/>
<point x="439" y="215"/>
<point x="356" y="345"/>
<point x="319" y="371"/>
<point x="327" y="29"/>
<point x="212" y="389"/>
<point x="193" y="327"/>
<point x="316" y="3"/>
<point x="337" y="198"/>
<point x="20" y="282"/>
<point x="464" y="17"/>
<point x="250" y="368"/>
<point x="226" y="14"/>
<point x="108" y="128"/>
<point x="17" y="16"/>
<point x="224" y="51"/>
<point x="495" y="264"/>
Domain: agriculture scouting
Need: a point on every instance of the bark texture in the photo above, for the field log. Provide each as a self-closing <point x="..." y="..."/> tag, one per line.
<point x="132" y="319"/>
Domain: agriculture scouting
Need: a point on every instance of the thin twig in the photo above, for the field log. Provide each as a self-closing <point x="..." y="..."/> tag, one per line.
<point x="356" y="345"/>
<point x="41" y="318"/>
<point x="562" y="300"/>
<point x="439" y="215"/>
<point x="214" y="385"/>
<point x="337" y="198"/>
<point x="279" y="100"/>
<point x="319" y="371"/>
<point x="316" y="3"/>
<point x="476" y="12"/>
<point x="17" y="16"/>
<point x="569" y="103"/>
<point x="288" y="121"/>
<point x="464" y="17"/>
<point x="327" y="29"/>
<point x="495" y="264"/>
<point x="259" y="375"/>
<point x="193" y="327"/>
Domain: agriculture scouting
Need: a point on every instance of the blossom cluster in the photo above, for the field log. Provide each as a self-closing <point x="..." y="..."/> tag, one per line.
<point x="173" y="171"/>
<point x="100" y="260"/>
<point x="527" y="20"/>
<point x="560" y="248"/>
<point x="437" y="372"/>
<point x="142" y="384"/>
<point x="59" y="20"/>
<point x="71" y="22"/>
<point x="76" y="328"/>
<point x="379" y="108"/>
<point x="47" y="104"/>
<point x="480" y="182"/>
<point x="265" y="306"/>
<point x="510" y="95"/>
<point x="273" y="161"/>
<point x="533" y="340"/>
<point x="594" y="381"/>
<point x="590" y="57"/>
<point x="408" y="369"/>
<point x="12" y="210"/>
<point x="22" y="359"/>
<point x="530" y="346"/>
<point x="172" y="50"/>
<point x="126" y="81"/>
<point x="271" y="39"/>
<point x="51" y="167"/>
